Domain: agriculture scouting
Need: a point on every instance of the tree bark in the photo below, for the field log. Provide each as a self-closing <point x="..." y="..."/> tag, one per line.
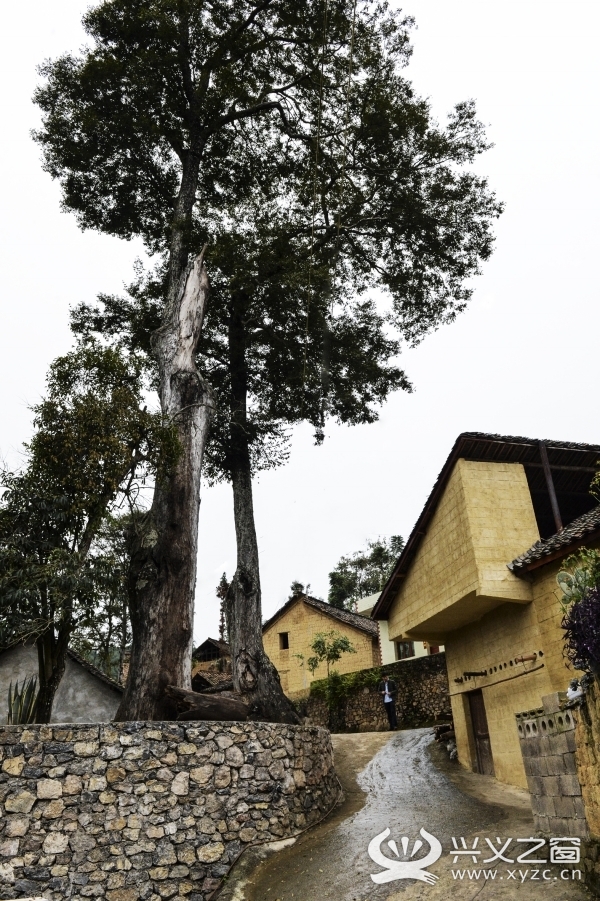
<point x="193" y="705"/>
<point x="254" y="676"/>
<point x="164" y="542"/>
<point x="52" y="655"/>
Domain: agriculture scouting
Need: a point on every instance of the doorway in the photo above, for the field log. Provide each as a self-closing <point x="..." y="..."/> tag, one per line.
<point x="481" y="733"/>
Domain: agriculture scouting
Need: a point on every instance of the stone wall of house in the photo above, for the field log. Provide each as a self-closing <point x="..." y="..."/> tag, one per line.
<point x="587" y="758"/>
<point x="151" y="811"/>
<point x="422" y="698"/>
<point x="548" y="742"/>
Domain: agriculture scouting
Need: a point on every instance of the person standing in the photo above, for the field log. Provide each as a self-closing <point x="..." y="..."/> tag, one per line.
<point x="388" y="688"/>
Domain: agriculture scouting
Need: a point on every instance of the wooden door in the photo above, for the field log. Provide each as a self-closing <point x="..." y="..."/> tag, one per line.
<point x="481" y="734"/>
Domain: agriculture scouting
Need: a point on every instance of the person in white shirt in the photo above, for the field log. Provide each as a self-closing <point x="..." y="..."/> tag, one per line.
<point x="387" y="689"/>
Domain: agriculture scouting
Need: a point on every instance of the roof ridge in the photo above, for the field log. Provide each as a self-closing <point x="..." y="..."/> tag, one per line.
<point x="94" y="669"/>
<point x="349" y="617"/>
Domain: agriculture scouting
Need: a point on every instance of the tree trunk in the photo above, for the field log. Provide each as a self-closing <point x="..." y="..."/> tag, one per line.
<point x="254" y="676"/>
<point x="193" y="705"/>
<point x="164" y="542"/>
<point x="52" y="655"/>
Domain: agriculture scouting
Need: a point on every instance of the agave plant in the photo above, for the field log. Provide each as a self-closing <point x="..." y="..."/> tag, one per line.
<point x="22" y="702"/>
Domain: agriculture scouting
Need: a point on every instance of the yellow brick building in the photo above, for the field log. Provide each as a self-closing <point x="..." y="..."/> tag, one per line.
<point x="291" y="630"/>
<point x="478" y="574"/>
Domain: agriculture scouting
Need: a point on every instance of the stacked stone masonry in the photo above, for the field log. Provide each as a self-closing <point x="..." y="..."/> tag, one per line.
<point x="587" y="756"/>
<point x="151" y="811"/>
<point x="547" y="739"/>
<point x="422" y="698"/>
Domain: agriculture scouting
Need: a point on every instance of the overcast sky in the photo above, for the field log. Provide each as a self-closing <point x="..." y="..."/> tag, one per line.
<point x="523" y="360"/>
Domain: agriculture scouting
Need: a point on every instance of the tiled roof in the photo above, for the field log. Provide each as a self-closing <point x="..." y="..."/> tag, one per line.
<point x="94" y="670"/>
<point x="215" y="642"/>
<point x="556" y="545"/>
<point x="211" y="678"/>
<point x="364" y="623"/>
<point x="81" y="661"/>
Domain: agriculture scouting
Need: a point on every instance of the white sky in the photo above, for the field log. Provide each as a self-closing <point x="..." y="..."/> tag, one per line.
<point x="521" y="361"/>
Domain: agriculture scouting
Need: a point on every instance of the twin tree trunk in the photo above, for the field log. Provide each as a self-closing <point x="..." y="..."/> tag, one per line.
<point x="164" y="542"/>
<point x="254" y="676"/>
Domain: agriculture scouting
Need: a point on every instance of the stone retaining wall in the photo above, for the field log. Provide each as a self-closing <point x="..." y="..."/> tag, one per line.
<point x="151" y="811"/>
<point x="422" y="698"/>
<point x="587" y="757"/>
<point x="547" y="739"/>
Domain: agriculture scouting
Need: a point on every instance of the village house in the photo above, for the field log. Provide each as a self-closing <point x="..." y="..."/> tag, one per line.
<point x="85" y="694"/>
<point x="478" y="574"/>
<point x="212" y="654"/>
<point x="288" y="634"/>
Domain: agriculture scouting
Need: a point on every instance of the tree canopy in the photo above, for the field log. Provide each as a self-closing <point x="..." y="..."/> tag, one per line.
<point x="94" y="443"/>
<point x="363" y="573"/>
<point x="341" y="219"/>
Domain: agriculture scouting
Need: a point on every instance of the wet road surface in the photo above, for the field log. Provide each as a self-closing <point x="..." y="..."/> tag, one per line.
<point x="405" y="792"/>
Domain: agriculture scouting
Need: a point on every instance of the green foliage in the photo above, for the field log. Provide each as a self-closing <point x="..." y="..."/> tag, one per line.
<point x="338" y="687"/>
<point x="22" y="702"/>
<point x="61" y="559"/>
<point x="328" y="648"/>
<point x="364" y="572"/>
<point x="298" y="589"/>
<point x="239" y="93"/>
<point x="580" y="574"/>
<point x="102" y="634"/>
<point x="221" y="592"/>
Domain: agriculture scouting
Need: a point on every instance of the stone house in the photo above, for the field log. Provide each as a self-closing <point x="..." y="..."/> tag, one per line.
<point x="478" y="574"/>
<point x="85" y="694"/>
<point x="291" y="630"/>
<point x="212" y="654"/>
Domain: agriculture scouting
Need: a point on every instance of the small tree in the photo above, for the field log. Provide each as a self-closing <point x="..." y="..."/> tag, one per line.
<point x="221" y="592"/>
<point x="94" y="443"/>
<point x="363" y="573"/>
<point x="328" y="648"/>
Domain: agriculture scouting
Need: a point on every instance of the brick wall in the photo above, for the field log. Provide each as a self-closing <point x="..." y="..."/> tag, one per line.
<point x="587" y="757"/>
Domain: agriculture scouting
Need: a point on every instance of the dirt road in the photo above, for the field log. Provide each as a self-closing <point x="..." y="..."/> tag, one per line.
<point x="405" y="783"/>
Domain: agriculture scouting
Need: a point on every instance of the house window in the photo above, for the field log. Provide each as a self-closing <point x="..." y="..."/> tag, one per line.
<point x="433" y="649"/>
<point x="405" y="649"/>
<point x="284" y="641"/>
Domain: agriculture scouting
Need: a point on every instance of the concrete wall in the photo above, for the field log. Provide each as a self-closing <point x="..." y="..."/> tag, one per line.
<point x="137" y="811"/>
<point x="81" y="696"/>
<point x="302" y="622"/>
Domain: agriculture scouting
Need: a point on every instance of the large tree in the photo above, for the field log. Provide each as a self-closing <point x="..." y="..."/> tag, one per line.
<point x="335" y="181"/>
<point x="127" y="129"/>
